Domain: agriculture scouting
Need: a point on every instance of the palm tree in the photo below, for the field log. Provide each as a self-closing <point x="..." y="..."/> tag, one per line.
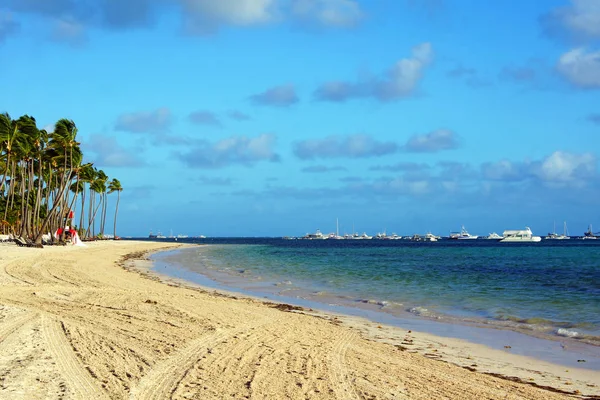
<point x="41" y="175"/>
<point x="115" y="186"/>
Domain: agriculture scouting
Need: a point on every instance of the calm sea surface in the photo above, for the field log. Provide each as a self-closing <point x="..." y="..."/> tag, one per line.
<point x="547" y="288"/>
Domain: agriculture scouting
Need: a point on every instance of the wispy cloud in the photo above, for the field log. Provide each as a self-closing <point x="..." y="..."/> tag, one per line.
<point x="238" y="115"/>
<point x="328" y="13"/>
<point x="207" y="16"/>
<point x="432" y="142"/>
<point x="107" y="152"/>
<point x="580" y="68"/>
<point x="579" y="21"/>
<point x="239" y="150"/>
<point x="401" y="167"/>
<point x="595" y="118"/>
<point x="156" y="121"/>
<point x="8" y="26"/>
<point x="69" y="31"/>
<point x="399" y="81"/>
<point x="351" y="146"/>
<point x="278" y="96"/>
<point x="469" y="76"/>
<point x="321" y="169"/>
<point x="203" y="117"/>
<point x="559" y="169"/>
<point x="518" y="74"/>
<point x="205" y="180"/>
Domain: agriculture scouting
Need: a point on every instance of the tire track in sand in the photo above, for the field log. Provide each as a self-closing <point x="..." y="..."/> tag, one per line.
<point x="76" y="375"/>
<point x="8" y="328"/>
<point x="162" y="380"/>
<point x="339" y="375"/>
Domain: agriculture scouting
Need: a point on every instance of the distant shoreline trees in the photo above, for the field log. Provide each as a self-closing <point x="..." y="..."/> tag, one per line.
<point x="42" y="174"/>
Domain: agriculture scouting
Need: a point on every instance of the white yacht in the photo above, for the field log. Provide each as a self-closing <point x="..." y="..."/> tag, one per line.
<point x="462" y="235"/>
<point x="557" y="236"/>
<point x="521" y="235"/>
<point x="493" y="236"/>
<point x="428" y="237"/>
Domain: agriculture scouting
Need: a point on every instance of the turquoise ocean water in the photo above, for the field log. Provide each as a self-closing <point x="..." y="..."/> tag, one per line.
<point x="549" y="289"/>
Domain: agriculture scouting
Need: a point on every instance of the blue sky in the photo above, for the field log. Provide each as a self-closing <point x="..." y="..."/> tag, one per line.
<point x="275" y="117"/>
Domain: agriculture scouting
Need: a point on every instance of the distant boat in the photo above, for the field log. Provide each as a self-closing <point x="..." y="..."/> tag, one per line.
<point x="556" y="236"/>
<point x="462" y="235"/>
<point x="157" y="236"/>
<point x="182" y="236"/>
<point x="336" y="236"/>
<point x="428" y="237"/>
<point x="493" y="236"/>
<point x="521" y="235"/>
<point x="311" y="236"/>
<point x="590" y="234"/>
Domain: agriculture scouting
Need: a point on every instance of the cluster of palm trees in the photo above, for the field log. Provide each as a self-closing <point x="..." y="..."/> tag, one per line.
<point x="42" y="175"/>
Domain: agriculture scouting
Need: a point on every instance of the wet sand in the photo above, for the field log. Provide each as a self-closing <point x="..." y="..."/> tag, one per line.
<point x="92" y="322"/>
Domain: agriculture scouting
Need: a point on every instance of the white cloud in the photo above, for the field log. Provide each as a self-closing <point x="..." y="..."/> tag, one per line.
<point x="70" y="31"/>
<point x="503" y="170"/>
<point x="441" y="139"/>
<point x="581" y="18"/>
<point x="203" y="117"/>
<point x="156" y="121"/>
<point x="330" y="13"/>
<point x="279" y="96"/>
<point x="107" y="152"/>
<point x="580" y="68"/>
<point x="205" y="16"/>
<point x="351" y="146"/>
<point x="566" y="168"/>
<point x="234" y="150"/>
<point x="399" y="81"/>
<point x="561" y="168"/>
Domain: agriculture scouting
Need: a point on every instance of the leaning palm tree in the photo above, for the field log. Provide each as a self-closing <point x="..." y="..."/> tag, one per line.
<point x="115" y="186"/>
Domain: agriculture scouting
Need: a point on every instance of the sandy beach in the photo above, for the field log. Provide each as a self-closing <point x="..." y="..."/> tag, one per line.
<point x="94" y="323"/>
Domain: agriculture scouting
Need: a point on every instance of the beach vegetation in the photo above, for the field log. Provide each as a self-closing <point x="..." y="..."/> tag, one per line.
<point x="42" y="176"/>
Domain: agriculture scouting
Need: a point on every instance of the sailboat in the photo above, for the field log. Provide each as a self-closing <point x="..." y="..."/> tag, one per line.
<point x="556" y="236"/>
<point x="590" y="234"/>
<point x="337" y="232"/>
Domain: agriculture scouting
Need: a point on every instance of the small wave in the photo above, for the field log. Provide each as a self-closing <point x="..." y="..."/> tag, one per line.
<point x="283" y="283"/>
<point x="567" y="333"/>
<point x="374" y="302"/>
<point x="420" y="311"/>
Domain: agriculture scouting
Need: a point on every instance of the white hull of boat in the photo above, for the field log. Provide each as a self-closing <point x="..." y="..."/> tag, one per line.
<point x="519" y="236"/>
<point x="521" y="239"/>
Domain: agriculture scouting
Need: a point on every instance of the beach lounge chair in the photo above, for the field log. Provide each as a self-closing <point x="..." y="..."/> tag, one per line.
<point x="21" y="242"/>
<point x="27" y="243"/>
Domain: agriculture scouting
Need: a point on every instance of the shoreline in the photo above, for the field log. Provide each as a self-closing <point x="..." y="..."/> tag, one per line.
<point x="92" y="322"/>
<point x="566" y="351"/>
<point x="457" y="344"/>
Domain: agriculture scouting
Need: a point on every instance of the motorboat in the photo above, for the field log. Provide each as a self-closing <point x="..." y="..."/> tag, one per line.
<point x="556" y="236"/>
<point x="519" y="236"/>
<point x="463" y="234"/>
<point x="493" y="236"/>
<point x="428" y="237"/>
<point x="316" y="235"/>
